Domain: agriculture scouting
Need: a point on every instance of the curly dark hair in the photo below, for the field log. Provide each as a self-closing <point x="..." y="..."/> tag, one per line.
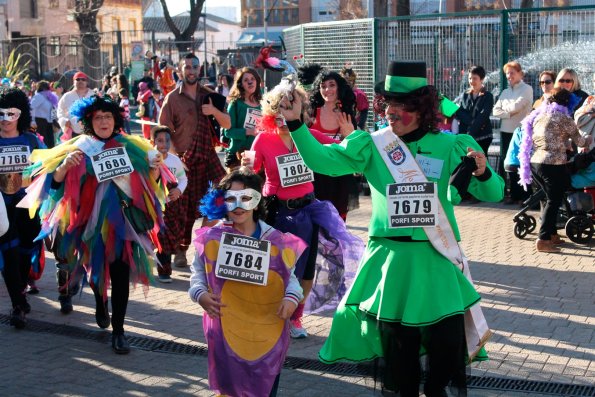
<point x="344" y="94"/>
<point x="307" y="73"/>
<point x="84" y="109"/>
<point x="237" y="90"/>
<point x="15" y="98"/>
<point x="251" y="181"/>
<point x="426" y="102"/>
<point x="560" y="96"/>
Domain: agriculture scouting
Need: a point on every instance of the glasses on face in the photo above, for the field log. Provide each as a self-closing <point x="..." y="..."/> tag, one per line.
<point x="103" y="118"/>
<point x="397" y="105"/>
<point x="81" y="79"/>
<point x="545" y="82"/>
<point x="11" y="114"/>
<point x="565" y="81"/>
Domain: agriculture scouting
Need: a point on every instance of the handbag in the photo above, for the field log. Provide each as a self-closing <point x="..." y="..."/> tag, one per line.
<point x="586" y="124"/>
<point x="139" y="221"/>
<point x="271" y="206"/>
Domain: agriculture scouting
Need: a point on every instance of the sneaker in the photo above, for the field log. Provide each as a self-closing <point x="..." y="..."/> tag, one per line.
<point x="65" y="304"/>
<point x="32" y="290"/>
<point x="17" y="318"/>
<point x="180" y="259"/>
<point x="164" y="278"/>
<point x="296" y="331"/>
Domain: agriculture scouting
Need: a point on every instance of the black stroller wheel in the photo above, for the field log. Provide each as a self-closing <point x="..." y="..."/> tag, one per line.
<point x="579" y="229"/>
<point x="520" y="229"/>
<point x="530" y="222"/>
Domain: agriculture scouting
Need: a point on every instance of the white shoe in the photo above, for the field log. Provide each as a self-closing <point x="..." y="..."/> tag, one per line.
<point x="296" y="331"/>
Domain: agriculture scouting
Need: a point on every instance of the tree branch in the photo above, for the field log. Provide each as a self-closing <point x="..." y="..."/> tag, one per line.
<point x="170" y="22"/>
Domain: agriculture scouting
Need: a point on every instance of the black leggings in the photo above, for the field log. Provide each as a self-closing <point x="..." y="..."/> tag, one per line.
<point x="310" y="269"/>
<point x="120" y="281"/>
<point x="15" y="274"/>
<point x="445" y="345"/>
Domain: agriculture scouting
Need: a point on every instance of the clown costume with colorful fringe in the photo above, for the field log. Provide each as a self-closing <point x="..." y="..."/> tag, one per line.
<point x="89" y="215"/>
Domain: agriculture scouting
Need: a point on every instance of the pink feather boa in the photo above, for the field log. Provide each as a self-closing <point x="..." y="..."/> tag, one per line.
<point x="526" y="147"/>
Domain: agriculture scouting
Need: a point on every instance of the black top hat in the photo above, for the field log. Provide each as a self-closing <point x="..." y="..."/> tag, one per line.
<point x="402" y="78"/>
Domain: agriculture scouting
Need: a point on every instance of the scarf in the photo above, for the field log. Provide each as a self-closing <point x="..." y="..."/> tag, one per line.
<point x="50" y="96"/>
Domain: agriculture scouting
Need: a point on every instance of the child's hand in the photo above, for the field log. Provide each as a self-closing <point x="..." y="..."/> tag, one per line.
<point x="211" y="303"/>
<point x="286" y="309"/>
<point x="174" y="194"/>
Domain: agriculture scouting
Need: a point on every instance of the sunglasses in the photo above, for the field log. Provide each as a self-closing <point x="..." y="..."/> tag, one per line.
<point x="566" y="81"/>
<point x="10" y="114"/>
<point x="545" y="82"/>
<point x="81" y="79"/>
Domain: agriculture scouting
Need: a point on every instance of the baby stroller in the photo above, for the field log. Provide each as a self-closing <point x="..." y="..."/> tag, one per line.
<point x="575" y="216"/>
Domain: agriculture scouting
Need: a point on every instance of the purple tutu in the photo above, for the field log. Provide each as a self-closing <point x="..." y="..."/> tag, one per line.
<point x="338" y="256"/>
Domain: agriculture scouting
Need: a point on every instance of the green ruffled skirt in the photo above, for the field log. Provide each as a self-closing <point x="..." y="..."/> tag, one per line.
<point x="405" y="282"/>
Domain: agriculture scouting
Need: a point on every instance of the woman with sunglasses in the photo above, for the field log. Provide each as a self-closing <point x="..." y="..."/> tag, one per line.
<point x="568" y="79"/>
<point x="98" y="193"/>
<point x="546" y="83"/>
<point x="18" y="252"/>
<point x="293" y="208"/>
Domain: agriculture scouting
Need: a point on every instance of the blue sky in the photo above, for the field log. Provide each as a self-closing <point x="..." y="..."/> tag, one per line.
<point x="178" y="6"/>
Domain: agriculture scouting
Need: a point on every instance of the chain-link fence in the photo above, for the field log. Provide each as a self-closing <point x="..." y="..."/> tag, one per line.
<point x="540" y="39"/>
<point x="335" y="44"/>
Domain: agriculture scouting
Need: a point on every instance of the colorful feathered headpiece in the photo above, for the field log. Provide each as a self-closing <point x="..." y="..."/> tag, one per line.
<point x="84" y="108"/>
<point x="212" y="205"/>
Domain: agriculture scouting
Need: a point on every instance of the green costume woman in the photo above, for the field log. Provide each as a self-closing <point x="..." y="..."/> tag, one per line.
<point x="407" y="298"/>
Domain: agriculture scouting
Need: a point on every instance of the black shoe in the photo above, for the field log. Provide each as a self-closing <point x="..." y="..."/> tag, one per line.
<point x="65" y="304"/>
<point x="26" y="307"/>
<point x="17" y="318"/>
<point x="102" y="315"/>
<point x="120" y="345"/>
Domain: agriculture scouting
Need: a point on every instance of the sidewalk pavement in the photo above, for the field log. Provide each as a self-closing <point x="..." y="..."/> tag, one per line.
<point x="540" y="307"/>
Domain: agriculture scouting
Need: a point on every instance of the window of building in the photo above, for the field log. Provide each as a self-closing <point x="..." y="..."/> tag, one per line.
<point x="70" y="3"/>
<point x="54" y="45"/>
<point x="54" y="4"/>
<point x="72" y="46"/>
<point x="115" y="24"/>
<point x="28" y="8"/>
<point x="132" y="24"/>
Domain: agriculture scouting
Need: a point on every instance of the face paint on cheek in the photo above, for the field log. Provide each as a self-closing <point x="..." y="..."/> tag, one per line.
<point x="406" y="118"/>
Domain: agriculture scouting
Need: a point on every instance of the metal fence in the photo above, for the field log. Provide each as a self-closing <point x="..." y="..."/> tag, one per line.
<point x="540" y="39"/>
<point x="55" y="57"/>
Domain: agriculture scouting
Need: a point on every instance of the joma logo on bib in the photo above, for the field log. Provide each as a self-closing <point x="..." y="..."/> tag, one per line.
<point x="106" y="153"/>
<point x="404" y="188"/>
<point x="245" y="242"/>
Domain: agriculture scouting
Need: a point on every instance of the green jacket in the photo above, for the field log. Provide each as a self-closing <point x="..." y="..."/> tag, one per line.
<point x="358" y="154"/>
<point x="237" y="133"/>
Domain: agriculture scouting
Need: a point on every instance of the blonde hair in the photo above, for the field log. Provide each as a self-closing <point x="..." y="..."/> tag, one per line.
<point x="576" y="85"/>
<point x="271" y="100"/>
<point x="514" y="65"/>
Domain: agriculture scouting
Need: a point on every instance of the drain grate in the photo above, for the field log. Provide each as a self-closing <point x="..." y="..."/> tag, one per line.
<point x="522" y="385"/>
<point x="365" y="370"/>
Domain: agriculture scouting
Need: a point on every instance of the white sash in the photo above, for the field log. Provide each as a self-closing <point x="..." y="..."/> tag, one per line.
<point x="404" y="169"/>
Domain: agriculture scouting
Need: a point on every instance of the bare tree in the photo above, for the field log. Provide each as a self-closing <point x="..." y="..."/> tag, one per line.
<point x="351" y="9"/>
<point x="85" y="15"/>
<point x="185" y="36"/>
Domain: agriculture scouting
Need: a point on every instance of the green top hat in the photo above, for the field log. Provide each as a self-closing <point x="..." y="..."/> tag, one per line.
<point x="402" y="78"/>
